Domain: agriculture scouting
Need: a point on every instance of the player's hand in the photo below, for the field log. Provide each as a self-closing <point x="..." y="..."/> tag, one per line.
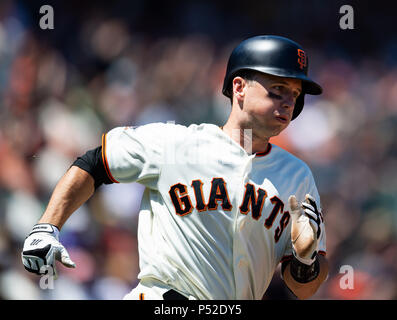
<point x="42" y="248"/>
<point x="307" y="225"/>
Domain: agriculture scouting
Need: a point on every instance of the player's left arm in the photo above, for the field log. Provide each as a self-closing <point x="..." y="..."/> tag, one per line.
<point x="307" y="269"/>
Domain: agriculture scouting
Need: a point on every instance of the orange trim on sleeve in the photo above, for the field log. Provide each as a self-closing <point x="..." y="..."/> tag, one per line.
<point x="105" y="161"/>
<point x="323" y="253"/>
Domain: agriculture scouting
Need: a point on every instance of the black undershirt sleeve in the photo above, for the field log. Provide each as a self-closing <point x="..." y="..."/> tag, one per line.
<point x="92" y="162"/>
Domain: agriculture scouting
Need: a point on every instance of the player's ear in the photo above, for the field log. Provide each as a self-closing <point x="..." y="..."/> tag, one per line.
<point x="239" y="84"/>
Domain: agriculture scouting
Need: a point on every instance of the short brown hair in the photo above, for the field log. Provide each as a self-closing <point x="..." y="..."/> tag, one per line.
<point x="246" y="74"/>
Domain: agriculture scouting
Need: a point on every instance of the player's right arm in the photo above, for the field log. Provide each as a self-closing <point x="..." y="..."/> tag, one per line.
<point x="72" y="191"/>
<point x="42" y="246"/>
<point x="127" y="155"/>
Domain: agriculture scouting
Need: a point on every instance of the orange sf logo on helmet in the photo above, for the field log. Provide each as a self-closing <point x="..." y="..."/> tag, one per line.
<point x="302" y="59"/>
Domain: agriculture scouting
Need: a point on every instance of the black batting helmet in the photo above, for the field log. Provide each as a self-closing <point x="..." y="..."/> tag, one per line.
<point x="273" y="55"/>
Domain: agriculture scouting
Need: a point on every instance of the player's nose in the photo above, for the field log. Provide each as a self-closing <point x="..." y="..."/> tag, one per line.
<point x="288" y="101"/>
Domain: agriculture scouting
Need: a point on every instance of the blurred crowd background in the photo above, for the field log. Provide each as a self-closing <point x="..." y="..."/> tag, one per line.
<point x="116" y="63"/>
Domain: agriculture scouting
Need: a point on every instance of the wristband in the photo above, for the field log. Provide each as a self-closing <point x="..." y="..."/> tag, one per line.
<point x="304" y="273"/>
<point x="45" y="227"/>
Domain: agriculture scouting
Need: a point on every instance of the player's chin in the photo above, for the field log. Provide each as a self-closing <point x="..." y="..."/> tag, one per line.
<point x="276" y="127"/>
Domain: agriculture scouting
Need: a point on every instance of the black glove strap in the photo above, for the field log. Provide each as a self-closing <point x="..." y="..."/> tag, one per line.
<point x="40" y="253"/>
<point x="304" y="273"/>
<point x="44" y="227"/>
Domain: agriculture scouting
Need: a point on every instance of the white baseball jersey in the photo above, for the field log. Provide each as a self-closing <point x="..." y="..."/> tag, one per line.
<point x="214" y="220"/>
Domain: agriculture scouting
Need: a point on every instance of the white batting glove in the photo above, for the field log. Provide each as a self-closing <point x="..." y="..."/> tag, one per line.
<point x="306" y="229"/>
<point x="42" y="248"/>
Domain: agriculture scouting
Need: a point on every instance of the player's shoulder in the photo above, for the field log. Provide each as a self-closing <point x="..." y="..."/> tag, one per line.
<point x="289" y="158"/>
<point x="193" y="129"/>
<point x="152" y="128"/>
<point x="168" y="133"/>
<point x="184" y="131"/>
<point x="204" y="128"/>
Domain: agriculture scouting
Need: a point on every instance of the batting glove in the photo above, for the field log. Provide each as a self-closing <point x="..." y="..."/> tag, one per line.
<point x="306" y="229"/>
<point x="42" y="248"/>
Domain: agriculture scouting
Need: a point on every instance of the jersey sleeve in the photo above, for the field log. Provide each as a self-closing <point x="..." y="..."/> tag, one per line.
<point x="308" y="186"/>
<point x="136" y="154"/>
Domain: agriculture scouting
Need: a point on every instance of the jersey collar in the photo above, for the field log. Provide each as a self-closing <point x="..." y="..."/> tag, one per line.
<point x="266" y="152"/>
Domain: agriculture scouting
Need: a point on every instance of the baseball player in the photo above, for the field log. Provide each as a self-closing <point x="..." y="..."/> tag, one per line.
<point x="222" y="205"/>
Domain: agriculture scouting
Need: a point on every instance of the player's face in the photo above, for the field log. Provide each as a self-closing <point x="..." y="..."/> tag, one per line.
<point x="268" y="103"/>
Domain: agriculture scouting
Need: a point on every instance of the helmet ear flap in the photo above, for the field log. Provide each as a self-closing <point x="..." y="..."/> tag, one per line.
<point x="300" y="101"/>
